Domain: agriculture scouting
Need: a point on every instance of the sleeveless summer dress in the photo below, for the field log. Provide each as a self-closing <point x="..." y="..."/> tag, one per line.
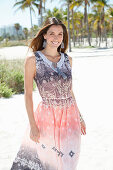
<point x="57" y="117"/>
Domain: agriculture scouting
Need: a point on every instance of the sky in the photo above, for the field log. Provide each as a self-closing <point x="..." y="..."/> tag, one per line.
<point x="9" y="17"/>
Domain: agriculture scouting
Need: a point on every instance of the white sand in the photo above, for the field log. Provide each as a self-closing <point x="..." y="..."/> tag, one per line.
<point x="13" y="52"/>
<point x="93" y="88"/>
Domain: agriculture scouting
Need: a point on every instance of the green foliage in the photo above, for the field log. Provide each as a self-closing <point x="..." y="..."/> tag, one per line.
<point x="5" y="91"/>
<point x="25" y="31"/>
<point x="13" y="43"/>
<point x="16" y="81"/>
<point x="1" y="38"/>
<point x="33" y="31"/>
<point x="12" y="77"/>
<point x="17" y="26"/>
<point x="55" y="13"/>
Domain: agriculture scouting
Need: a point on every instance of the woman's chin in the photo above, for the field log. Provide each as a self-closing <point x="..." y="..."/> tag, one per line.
<point x="54" y="46"/>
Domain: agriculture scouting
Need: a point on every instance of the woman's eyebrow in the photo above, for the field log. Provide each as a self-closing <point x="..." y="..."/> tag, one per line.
<point x="54" y="32"/>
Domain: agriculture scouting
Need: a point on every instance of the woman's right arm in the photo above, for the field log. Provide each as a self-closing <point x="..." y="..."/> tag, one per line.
<point x="29" y="73"/>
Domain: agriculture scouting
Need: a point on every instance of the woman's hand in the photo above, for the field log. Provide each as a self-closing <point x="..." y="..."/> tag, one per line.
<point x="35" y="133"/>
<point x="83" y="127"/>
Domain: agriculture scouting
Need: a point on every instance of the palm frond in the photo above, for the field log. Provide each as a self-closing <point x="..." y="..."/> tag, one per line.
<point x="18" y="3"/>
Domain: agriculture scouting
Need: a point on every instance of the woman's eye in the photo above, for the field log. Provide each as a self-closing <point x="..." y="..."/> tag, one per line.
<point x="53" y="34"/>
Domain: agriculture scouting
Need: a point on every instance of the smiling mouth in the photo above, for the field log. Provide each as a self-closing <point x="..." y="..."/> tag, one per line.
<point x="55" y="42"/>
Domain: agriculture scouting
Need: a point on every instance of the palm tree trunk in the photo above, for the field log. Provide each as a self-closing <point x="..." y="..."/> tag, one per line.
<point x="41" y="17"/>
<point x="68" y="19"/>
<point x="100" y="38"/>
<point x="100" y="31"/>
<point x="87" y="25"/>
<point x="96" y="39"/>
<point x="73" y="29"/>
<point x="31" y="17"/>
<point x="81" y="31"/>
<point x="85" y="13"/>
<point x="105" y="34"/>
<point x="112" y="35"/>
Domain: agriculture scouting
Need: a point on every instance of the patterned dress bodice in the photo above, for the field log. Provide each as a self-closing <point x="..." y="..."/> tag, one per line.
<point x="54" y="83"/>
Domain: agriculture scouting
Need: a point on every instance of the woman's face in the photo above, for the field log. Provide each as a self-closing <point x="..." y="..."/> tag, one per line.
<point x="54" y="36"/>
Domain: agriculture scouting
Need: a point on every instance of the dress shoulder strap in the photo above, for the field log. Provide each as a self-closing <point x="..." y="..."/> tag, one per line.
<point x="38" y="57"/>
<point x="66" y="57"/>
<point x="66" y="60"/>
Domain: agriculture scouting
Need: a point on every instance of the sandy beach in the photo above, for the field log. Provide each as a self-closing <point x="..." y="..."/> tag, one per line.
<point x="93" y="89"/>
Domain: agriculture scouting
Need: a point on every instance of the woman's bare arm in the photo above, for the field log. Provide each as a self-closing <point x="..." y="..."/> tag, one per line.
<point x="29" y="73"/>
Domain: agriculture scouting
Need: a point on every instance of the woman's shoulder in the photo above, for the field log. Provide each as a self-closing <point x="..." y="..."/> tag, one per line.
<point x="68" y="57"/>
<point x="29" y="65"/>
<point x="30" y="58"/>
<point x="70" y="60"/>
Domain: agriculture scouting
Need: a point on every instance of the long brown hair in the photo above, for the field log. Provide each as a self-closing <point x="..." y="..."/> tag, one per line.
<point x="37" y="42"/>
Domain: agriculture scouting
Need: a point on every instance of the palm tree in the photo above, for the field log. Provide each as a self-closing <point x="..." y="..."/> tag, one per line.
<point x="33" y="31"/>
<point x="67" y="4"/>
<point x="40" y="9"/>
<point x="91" y="24"/>
<point x="104" y="4"/>
<point x="97" y="22"/>
<point x="68" y="19"/>
<point x="73" y="28"/>
<point x="25" y="31"/>
<point x="110" y="12"/>
<point x="85" y="3"/>
<point x="100" y="5"/>
<point x="54" y="13"/>
<point x="23" y="4"/>
<point x="78" y="26"/>
<point x="72" y="5"/>
<point x="17" y="27"/>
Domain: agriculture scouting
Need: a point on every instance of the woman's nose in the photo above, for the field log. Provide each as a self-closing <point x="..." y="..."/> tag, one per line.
<point x="55" y="37"/>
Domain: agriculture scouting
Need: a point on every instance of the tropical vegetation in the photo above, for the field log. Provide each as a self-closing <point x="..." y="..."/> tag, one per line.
<point x="89" y="22"/>
<point x="12" y="77"/>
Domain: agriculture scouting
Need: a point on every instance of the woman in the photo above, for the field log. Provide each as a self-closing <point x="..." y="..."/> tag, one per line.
<point x="52" y="140"/>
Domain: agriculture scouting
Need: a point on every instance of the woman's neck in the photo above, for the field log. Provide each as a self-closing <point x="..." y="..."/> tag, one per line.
<point x="50" y="51"/>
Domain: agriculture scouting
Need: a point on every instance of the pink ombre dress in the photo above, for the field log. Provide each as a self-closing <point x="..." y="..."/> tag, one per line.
<point x="57" y="117"/>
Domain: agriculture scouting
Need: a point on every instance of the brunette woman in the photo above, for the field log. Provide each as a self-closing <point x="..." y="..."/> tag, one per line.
<point x="52" y="139"/>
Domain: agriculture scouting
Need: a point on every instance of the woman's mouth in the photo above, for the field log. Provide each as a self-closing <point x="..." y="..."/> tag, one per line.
<point x="55" y="42"/>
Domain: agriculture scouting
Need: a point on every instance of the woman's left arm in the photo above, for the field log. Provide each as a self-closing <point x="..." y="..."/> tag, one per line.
<point x="82" y="122"/>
